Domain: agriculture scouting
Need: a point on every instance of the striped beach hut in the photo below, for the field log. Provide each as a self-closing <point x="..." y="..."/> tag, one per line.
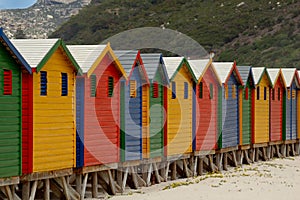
<point x="291" y="79"/>
<point x="228" y="104"/>
<point x="49" y="129"/>
<point x="276" y="104"/>
<point x="260" y="105"/>
<point x="206" y="96"/>
<point x="134" y="105"/>
<point x="180" y="106"/>
<point x="12" y="68"/>
<point x="98" y="104"/>
<point x="153" y="139"/>
<point x="245" y="105"/>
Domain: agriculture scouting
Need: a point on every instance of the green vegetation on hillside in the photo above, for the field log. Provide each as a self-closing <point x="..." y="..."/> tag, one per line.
<point x="253" y="32"/>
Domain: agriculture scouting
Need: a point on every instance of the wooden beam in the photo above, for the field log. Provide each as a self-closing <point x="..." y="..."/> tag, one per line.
<point x="8" y="192"/>
<point x="134" y="178"/>
<point x="78" y="183"/>
<point x="82" y="194"/>
<point x="94" y="185"/>
<point x="26" y="190"/>
<point x="173" y="171"/>
<point x="125" y="179"/>
<point x="111" y="183"/>
<point x="158" y="178"/>
<point x="119" y="178"/>
<point x="55" y="188"/>
<point x="46" y="189"/>
<point x="148" y="180"/>
<point x="33" y="190"/>
<point x="65" y="187"/>
<point x="225" y="160"/>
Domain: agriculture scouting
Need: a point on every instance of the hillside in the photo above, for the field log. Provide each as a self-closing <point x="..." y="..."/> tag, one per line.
<point x="258" y="33"/>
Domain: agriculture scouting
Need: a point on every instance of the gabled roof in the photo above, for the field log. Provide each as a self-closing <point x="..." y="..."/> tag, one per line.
<point x="152" y="63"/>
<point x="89" y="56"/>
<point x="245" y="72"/>
<point x="258" y="73"/>
<point x="288" y="76"/>
<point x="224" y="70"/>
<point x="200" y="66"/>
<point x="274" y="74"/>
<point x="174" y="64"/>
<point x="14" y="51"/>
<point x="130" y="59"/>
<point x="38" y="51"/>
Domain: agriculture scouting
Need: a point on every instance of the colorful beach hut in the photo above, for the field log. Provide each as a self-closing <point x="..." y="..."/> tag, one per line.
<point x="153" y="143"/>
<point x="228" y="104"/>
<point x="49" y="129"/>
<point x="276" y="104"/>
<point x="12" y="68"/>
<point x="98" y="104"/>
<point x="260" y="105"/>
<point x="134" y="105"/>
<point x="245" y="105"/>
<point x="298" y="111"/>
<point x="290" y="103"/>
<point x="180" y="106"/>
<point x="206" y="97"/>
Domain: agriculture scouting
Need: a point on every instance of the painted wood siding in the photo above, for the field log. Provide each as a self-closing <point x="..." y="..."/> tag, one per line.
<point x="206" y="112"/>
<point x="54" y="131"/>
<point x="246" y="115"/>
<point x="80" y="121"/>
<point x="132" y="116"/>
<point x="10" y="118"/>
<point x="102" y="116"/>
<point x="290" y="132"/>
<point x="230" y="115"/>
<point x="298" y="113"/>
<point x="261" y="112"/>
<point x="180" y="115"/>
<point x="276" y="111"/>
<point x="145" y="121"/>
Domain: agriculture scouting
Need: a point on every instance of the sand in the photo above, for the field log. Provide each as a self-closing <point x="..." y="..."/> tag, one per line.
<point x="275" y="179"/>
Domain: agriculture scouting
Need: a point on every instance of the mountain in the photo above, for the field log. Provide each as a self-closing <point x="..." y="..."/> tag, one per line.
<point x="39" y="20"/>
<point x="257" y="33"/>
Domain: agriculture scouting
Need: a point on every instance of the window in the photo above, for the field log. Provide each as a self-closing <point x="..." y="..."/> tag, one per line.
<point x="246" y="95"/>
<point x="186" y="90"/>
<point x="173" y="90"/>
<point x="293" y="94"/>
<point x="132" y="85"/>
<point x="257" y="92"/>
<point x="43" y="83"/>
<point x="273" y="94"/>
<point x="226" y="91"/>
<point x="64" y="84"/>
<point x="278" y="94"/>
<point x="93" y="83"/>
<point x="110" y="86"/>
<point x="289" y="93"/>
<point x="7" y="82"/>
<point x="201" y="90"/>
<point x="233" y="91"/>
<point x="265" y="93"/>
<point x="211" y="91"/>
<point x="155" y="90"/>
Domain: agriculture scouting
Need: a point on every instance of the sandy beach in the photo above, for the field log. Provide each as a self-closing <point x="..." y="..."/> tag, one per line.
<point x="274" y="179"/>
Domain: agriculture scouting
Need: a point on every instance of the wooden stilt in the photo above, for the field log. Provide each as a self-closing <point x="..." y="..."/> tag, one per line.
<point x="26" y="190"/>
<point x="186" y="170"/>
<point x="257" y="154"/>
<point x="82" y="194"/>
<point x="248" y="161"/>
<point x="8" y="192"/>
<point x="33" y="190"/>
<point x="225" y="160"/>
<point x="158" y="178"/>
<point x="283" y="150"/>
<point x="148" y="181"/>
<point x="264" y="154"/>
<point x="173" y="171"/>
<point x="200" y="166"/>
<point x="46" y="189"/>
<point x="56" y="190"/>
<point x="195" y="166"/>
<point x="278" y="151"/>
<point x="125" y="179"/>
<point x="119" y="178"/>
<point x="234" y="158"/>
<point x="134" y="178"/>
<point x="219" y="161"/>
<point x="94" y="185"/>
<point x="167" y="171"/>
<point x="239" y="154"/>
<point x="163" y="171"/>
<point x="111" y="183"/>
<point x="78" y="183"/>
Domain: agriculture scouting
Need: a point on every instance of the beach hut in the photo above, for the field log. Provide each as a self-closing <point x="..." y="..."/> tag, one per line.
<point x="276" y="104"/>
<point x="245" y="105"/>
<point x="98" y="104"/>
<point x="134" y="105"/>
<point x="260" y="106"/>
<point x="228" y="104"/>
<point x="206" y="96"/>
<point x="153" y="143"/>
<point x="298" y="111"/>
<point x="180" y="106"/>
<point x="290" y="103"/>
<point x="12" y="68"/>
<point x="49" y="130"/>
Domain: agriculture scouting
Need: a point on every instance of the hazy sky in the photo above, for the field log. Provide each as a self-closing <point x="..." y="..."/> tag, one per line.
<point x="8" y="4"/>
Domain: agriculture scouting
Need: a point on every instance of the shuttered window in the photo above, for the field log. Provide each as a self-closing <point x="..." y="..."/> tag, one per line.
<point x="132" y="88"/>
<point x="211" y="91"/>
<point x="186" y="90"/>
<point x="273" y="94"/>
<point x="201" y="90"/>
<point x="7" y="82"/>
<point x="278" y="94"/>
<point x="43" y="83"/>
<point x="226" y="91"/>
<point x="155" y="90"/>
<point x="233" y="91"/>
<point x="110" y="86"/>
<point x="246" y="93"/>
<point x="64" y="84"/>
<point x="257" y="93"/>
<point x="293" y="94"/>
<point x="265" y="93"/>
<point x="173" y="90"/>
<point x="93" y="82"/>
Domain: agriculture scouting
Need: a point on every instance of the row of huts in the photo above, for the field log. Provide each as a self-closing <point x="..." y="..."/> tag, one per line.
<point x="72" y="106"/>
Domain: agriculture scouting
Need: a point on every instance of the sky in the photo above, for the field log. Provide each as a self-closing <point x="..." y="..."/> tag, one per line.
<point x="9" y="4"/>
